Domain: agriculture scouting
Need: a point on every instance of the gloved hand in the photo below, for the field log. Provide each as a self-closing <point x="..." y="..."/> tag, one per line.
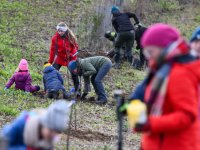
<point x="83" y="96"/>
<point x="72" y="90"/>
<point x="5" y="88"/>
<point x="123" y="109"/>
<point x="142" y="127"/>
<point x="138" y="25"/>
<point x="137" y="114"/>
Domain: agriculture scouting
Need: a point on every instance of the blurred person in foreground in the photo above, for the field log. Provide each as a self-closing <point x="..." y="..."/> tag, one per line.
<point x="37" y="129"/>
<point x="169" y="115"/>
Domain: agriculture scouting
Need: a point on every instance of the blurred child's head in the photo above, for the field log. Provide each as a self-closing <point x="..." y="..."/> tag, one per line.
<point x="23" y="65"/>
<point x="55" y="120"/>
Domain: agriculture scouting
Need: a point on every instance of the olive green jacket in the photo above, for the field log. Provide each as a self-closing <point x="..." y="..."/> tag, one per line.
<point x="90" y="66"/>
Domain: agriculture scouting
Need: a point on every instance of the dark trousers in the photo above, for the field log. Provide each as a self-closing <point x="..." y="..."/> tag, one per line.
<point x="55" y="94"/>
<point x="97" y="81"/>
<point x="142" y="58"/>
<point x="74" y="76"/>
<point x="124" y="39"/>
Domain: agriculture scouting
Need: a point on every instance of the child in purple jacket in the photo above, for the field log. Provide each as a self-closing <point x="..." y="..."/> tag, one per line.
<point x="22" y="79"/>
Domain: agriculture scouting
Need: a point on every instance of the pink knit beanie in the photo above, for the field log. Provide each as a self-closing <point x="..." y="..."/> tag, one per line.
<point x="160" y="35"/>
<point x="23" y="65"/>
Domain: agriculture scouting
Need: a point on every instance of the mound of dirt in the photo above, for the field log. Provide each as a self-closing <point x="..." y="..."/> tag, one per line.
<point x="89" y="135"/>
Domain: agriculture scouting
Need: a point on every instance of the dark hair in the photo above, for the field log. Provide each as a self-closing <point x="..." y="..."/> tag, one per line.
<point x="46" y="62"/>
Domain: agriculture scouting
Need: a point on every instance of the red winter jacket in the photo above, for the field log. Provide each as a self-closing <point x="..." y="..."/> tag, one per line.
<point x="64" y="50"/>
<point x="178" y="128"/>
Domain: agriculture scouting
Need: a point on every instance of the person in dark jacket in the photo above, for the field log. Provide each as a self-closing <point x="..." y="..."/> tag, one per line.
<point x="138" y="36"/>
<point x="111" y="36"/>
<point x="137" y="64"/>
<point x="94" y="69"/>
<point x="125" y="33"/>
<point x="53" y="82"/>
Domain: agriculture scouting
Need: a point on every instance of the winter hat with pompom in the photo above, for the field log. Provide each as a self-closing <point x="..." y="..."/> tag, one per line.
<point x="23" y="65"/>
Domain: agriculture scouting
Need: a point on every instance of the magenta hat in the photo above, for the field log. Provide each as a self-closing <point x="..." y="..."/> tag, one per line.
<point x="160" y="35"/>
<point x="23" y="65"/>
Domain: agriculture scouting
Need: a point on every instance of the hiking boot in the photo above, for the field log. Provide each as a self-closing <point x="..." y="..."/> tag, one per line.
<point x="37" y="88"/>
<point x="130" y="60"/>
<point x="101" y="102"/>
<point x="116" y="66"/>
<point x="55" y="95"/>
<point x="83" y="96"/>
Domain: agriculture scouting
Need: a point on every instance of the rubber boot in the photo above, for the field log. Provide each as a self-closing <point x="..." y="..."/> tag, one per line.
<point x="130" y="60"/>
<point x="101" y="101"/>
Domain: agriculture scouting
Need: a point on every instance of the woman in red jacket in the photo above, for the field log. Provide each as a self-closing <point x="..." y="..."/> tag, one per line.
<point x="63" y="49"/>
<point x="171" y="94"/>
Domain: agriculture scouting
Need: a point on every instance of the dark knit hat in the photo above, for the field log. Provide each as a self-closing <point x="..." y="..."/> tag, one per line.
<point x="195" y="35"/>
<point x="114" y="9"/>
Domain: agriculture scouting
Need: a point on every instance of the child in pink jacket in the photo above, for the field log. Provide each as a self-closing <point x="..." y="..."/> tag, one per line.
<point x="22" y="79"/>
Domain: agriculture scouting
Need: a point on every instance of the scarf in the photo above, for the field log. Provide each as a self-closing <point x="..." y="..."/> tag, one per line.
<point x="159" y="76"/>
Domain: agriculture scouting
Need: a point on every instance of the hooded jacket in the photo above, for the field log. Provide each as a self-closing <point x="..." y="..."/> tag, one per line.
<point x="122" y="23"/>
<point x="22" y="133"/>
<point x="52" y="79"/>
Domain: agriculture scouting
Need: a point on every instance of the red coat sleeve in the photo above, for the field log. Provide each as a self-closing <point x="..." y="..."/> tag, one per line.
<point x="182" y="98"/>
<point x="52" y="51"/>
<point x="73" y="51"/>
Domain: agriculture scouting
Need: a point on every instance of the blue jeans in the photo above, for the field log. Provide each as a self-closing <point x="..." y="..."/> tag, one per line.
<point x="97" y="81"/>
